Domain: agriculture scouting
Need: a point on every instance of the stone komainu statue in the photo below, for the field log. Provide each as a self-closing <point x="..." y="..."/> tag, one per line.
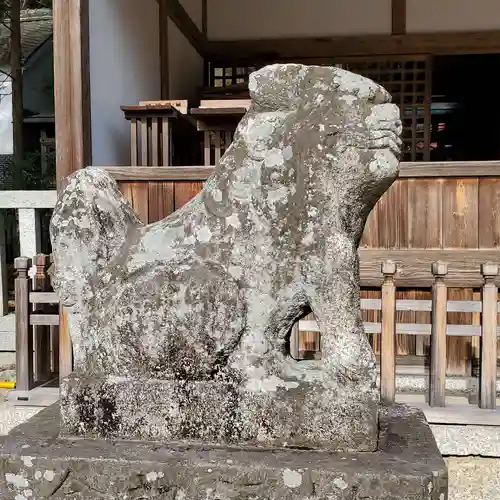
<point x="198" y="307"/>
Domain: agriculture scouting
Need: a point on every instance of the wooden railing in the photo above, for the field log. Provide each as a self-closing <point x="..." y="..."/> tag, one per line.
<point x="28" y="205"/>
<point x="37" y="321"/>
<point x="487" y="331"/>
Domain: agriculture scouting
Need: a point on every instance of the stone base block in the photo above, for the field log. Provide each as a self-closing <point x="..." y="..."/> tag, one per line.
<point x="301" y="415"/>
<point x="37" y="464"/>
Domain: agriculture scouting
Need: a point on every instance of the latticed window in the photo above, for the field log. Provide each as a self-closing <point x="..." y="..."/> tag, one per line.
<point x="408" y="79"/>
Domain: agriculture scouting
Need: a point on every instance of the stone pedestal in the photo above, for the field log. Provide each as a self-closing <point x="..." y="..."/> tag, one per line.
<point x="282" y="414"/>
<point x="35" y="463"/>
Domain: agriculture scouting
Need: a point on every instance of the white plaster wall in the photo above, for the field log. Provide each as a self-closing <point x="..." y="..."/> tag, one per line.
<point x="452" y="15"/>
<point x="242" y="19"/>
<point x="124" y="69"/>
<point x="185" y="66"/>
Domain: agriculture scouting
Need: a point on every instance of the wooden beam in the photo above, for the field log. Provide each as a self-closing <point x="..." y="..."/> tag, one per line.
<point x="332" y="48"/>
<point x="71" y="85"/>
<point x="186" y="25"/>
<point x="398" y="17"/>
<point x="164" y="56"/>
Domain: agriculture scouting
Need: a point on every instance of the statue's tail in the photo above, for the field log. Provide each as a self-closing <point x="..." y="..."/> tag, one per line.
<point x="90" y="224"/>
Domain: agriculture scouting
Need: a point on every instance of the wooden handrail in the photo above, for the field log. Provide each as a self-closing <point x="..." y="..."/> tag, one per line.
<point x="407" y="170"/>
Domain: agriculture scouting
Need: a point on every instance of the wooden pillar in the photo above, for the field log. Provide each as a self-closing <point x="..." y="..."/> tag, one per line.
<point x="71" y="86"/>
<point x="388" y="348"/>
<point x="72" y="107"/>
<point x="24" y="336"/>
<point x="437" y="382"/>
<point x="488" y="373"/>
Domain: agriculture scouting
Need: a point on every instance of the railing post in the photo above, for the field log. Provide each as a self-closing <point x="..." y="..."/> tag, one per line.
<point x="41" y="333"/>
<point x="388" y="341"/>
<point x="24" y="336"/>
<point x="437" y="383"/>
<point x="488" y="369"/>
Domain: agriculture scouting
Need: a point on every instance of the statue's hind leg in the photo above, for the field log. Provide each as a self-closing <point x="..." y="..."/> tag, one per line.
<point x="90" y="225"/>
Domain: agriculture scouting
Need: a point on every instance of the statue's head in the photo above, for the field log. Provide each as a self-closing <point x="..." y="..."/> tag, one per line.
<point x="335" y="126"/>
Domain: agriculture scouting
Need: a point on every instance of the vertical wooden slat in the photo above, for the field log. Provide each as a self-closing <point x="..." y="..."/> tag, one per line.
<point x="370" y="237"/>
<point x="460" y="213"/>
<point x="460" y="230"/>
<point x="144" y="141"/>
<point x="393" y="216"/>
<point x="161" y="200"/>
<point x="184" y="191"/>
<point x="488" y="372"/>
<point x="489" y="213"/>
<point x="166" y="150"/>
<point x="437" y="382"/>
<point x="134" y="154"/>
<point x="65" y="346"/>
<point x="206" y="148"/>
<point x="24" y="336"/>
<point x="388" y="350"/>
<point x="140" y="200"/>
<point x="155" y="154"/>
<point x="424" y="213"/>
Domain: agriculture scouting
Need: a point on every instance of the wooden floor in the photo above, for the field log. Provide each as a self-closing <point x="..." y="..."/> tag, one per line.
<point x="458" y="411"/>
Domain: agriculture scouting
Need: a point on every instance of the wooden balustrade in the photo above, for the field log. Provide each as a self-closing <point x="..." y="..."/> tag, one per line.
<point x="37" y="320"/>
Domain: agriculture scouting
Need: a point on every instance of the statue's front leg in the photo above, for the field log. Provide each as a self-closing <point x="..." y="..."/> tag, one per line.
<point x="345" y="350"/>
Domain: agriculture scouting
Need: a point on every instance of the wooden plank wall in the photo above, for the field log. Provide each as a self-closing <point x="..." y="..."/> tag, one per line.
<point x="437" y="213"/>
<point x="416" y="213"/>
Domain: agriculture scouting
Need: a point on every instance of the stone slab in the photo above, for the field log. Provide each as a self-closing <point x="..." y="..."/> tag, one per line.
<point x="35" y="463"/>
<point x="299" y="414"/>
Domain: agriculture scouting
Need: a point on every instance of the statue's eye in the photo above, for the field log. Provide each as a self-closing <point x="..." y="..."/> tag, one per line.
<point x="333" y="133"/>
